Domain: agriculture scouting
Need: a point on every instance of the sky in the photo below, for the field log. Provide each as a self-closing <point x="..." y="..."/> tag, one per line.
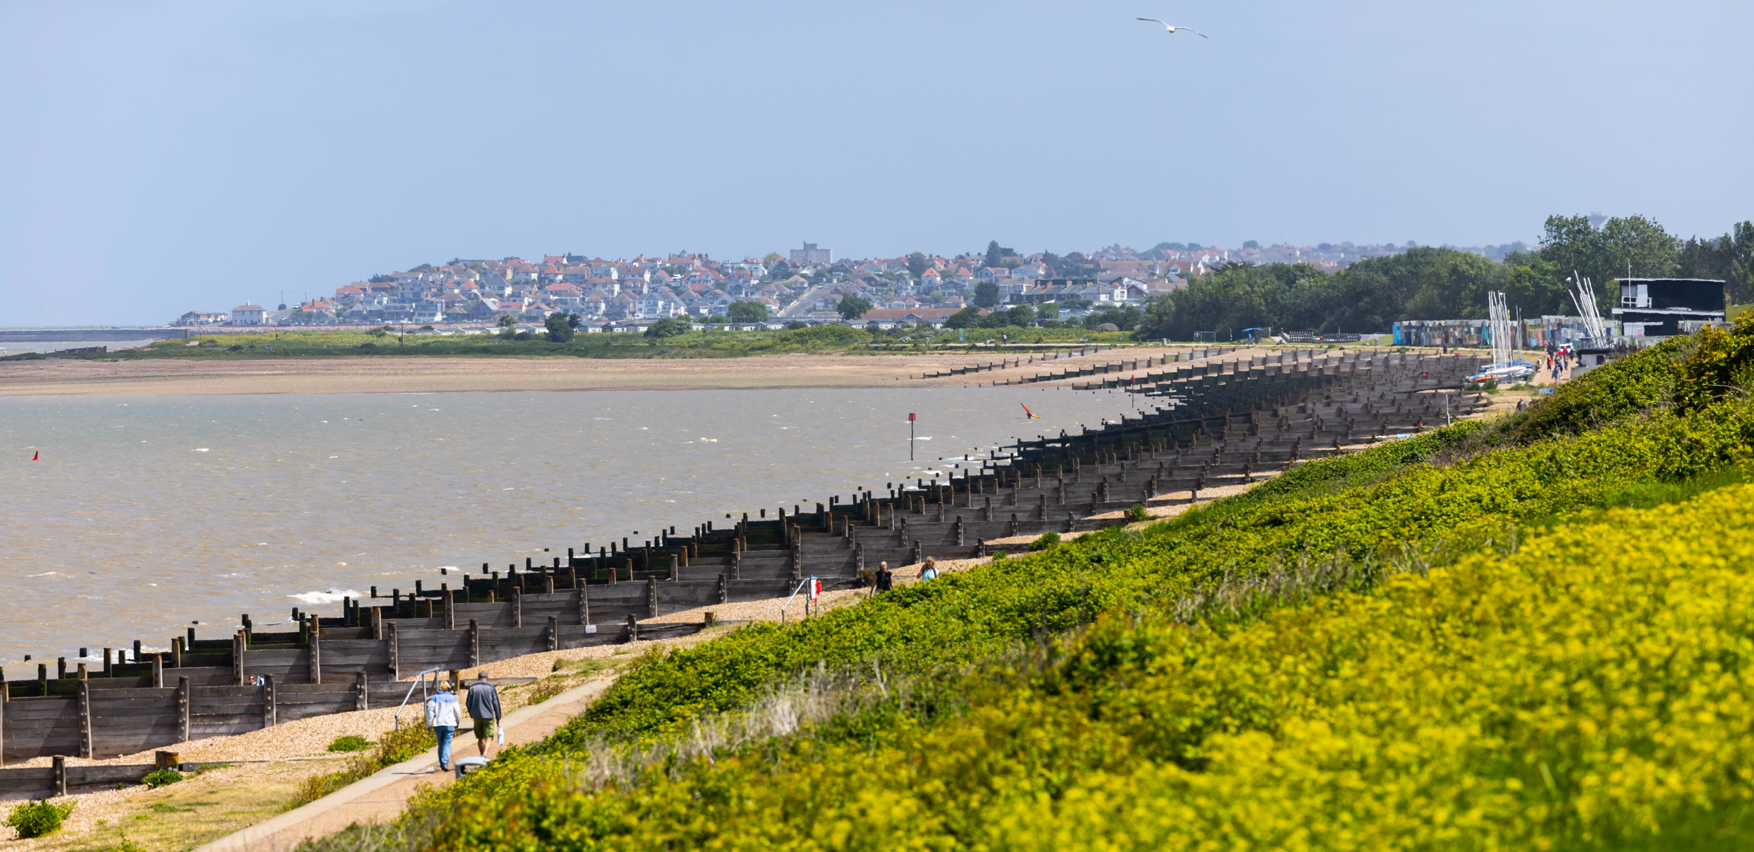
<point x="163" y="157"/>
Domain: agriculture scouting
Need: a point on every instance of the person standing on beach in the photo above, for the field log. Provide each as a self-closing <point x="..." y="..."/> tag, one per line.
<point x="885" y="577"/>
<point x="443" y="716"/>
<point x="930" y="571"/>
<point x="484" y="709"/>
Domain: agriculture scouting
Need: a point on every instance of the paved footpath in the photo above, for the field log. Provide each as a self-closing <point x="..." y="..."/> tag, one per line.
<point x="381" y="797"/>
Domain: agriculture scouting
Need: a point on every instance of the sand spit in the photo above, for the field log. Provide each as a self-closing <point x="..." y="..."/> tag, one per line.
<point x="383" y="374"/>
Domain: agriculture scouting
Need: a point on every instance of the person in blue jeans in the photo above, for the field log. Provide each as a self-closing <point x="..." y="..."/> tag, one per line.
<point x="443" y="715"/>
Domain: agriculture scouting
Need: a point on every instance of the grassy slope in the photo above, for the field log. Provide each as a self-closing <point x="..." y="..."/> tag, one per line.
<point x="1351" y="510"/>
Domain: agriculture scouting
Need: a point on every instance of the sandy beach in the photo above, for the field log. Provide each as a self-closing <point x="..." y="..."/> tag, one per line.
<point x="442" y="375"/>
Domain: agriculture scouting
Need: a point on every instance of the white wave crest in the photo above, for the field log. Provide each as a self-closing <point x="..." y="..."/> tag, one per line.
<point x="331" y="596"/>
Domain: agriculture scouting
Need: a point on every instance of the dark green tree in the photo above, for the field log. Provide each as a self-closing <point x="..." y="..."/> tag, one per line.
<point x="559" y="329"/>
<point x="1022" y="316"/>
<point x="986" y="294"/>
<point x="917" y="264"/>
<point x="995" y="254"/>
<point x="1049" y="311"/>
<point x="852" y="307"/>
<point x="669" y="327"/>
<point x="1250" y="244"/>
<point x="965" y="318"/>
<point x="746" y="312"/>
<point x="1536" y="287"/>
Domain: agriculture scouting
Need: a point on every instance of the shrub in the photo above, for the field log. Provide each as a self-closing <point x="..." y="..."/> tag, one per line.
<point x="350" y="742"/>
<point x="1047" y="540"/>
<point x="668" y="327"/>
<point x="823" y="335"/>
<point x="162" y="778"/>
<point x="37" y="819"/>
<point x="1137" y="513"/>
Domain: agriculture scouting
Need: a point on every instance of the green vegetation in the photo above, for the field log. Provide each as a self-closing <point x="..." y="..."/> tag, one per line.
<point x="37" y="819"/>
<point x="350" y="742"/>
<point x="1372" y="651"/>
<point x="395" y="746"/>
<point x="674" y="338"/>
<point x="1438" y="283"/>
<point x="161" y="778"/>
<point x="852" y="307"/>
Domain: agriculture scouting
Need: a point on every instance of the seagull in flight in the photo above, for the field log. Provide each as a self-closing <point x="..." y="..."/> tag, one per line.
<point x="1172" y="28"/>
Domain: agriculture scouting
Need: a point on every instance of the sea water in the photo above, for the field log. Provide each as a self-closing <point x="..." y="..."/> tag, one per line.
<point x="146" y="515"/>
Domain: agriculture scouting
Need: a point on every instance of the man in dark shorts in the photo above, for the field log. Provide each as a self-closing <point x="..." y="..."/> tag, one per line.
<point x="483" y="703"/>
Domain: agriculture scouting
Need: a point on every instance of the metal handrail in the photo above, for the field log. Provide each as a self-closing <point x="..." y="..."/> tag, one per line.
<point x="420" y="681"/>
<point x="794" y="596"/>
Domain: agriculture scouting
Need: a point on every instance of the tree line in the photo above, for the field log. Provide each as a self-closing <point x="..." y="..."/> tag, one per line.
<point x="1440" y="283"/>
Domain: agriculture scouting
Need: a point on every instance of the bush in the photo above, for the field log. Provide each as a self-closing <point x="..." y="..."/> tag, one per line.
<point x="1047" y="540"/>
<point x="37" y="819"/>
<point x="350" y="742"/>
<point x="823" y="335"/>
<point x="162" y="778"/>
<point x="668" y="327"/>
<point x="1137" y="513"/>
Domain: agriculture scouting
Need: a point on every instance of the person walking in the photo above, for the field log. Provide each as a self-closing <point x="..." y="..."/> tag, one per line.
<point x="443" y="716"/>
<point x="483" y="700"/>
<point x="930" y="570"/>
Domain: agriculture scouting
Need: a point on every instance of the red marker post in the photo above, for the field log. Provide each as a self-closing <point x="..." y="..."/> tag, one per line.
<point x="910" y="436"/>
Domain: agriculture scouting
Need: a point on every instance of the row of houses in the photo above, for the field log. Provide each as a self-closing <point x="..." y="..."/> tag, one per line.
<point x="810" y="287"/>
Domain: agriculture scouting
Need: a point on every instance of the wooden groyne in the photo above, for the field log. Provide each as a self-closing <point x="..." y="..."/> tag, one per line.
<point x="1244" y="421"/>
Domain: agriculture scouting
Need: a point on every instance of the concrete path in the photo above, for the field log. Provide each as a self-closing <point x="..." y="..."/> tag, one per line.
<point x="381" y="797"/>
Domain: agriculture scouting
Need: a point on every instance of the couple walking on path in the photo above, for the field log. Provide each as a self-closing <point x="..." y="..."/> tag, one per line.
<point x="444" y="716"/>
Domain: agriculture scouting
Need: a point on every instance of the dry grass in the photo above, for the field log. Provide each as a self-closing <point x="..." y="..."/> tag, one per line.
<point x="180" y="816"/>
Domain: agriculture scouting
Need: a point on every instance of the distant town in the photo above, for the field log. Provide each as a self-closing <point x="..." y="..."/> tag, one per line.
<point x="808" y="285"/>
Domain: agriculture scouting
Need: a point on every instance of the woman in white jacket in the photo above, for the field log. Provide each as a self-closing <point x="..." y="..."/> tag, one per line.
<point x="443" y="715"/>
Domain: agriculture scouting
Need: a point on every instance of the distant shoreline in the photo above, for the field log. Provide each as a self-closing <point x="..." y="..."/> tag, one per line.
<point x="173" y="377"/>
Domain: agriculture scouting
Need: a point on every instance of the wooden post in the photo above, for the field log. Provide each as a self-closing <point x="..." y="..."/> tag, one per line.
<point x="182" y="709"/>
<point x="517" y="607"/>
<point x="395" y="667"/>
<point x="378" y="623"/>
<point x="237" y="659"/>
<point x="553" y="633"/>
<point x="652" y="597"/>
<point x="58" y="783"/>
<point x="177" y="647"/>
<point x="107" y="659"/>
<point x="85" y="744"/>
<point x="270" y="697"/>
<point x="632" y="628"/>
<point x="316" y="650"/>
<point x="450" y="610"/>
<point x="361" y="688"/>
<point x="157" y="671"/>
<point x="474" y="642"/>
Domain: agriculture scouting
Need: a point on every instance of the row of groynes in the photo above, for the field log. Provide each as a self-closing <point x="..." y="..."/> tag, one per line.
<point x="1229" y="423"/>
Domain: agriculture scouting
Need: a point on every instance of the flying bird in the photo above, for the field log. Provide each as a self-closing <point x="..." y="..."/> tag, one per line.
<point x="1172" y="28"/>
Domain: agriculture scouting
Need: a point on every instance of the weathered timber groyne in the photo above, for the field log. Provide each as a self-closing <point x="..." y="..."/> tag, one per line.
<point x="1231" y="422"/>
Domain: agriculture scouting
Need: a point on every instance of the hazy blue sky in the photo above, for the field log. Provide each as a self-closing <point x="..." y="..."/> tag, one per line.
<point x="162" y="157"/>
